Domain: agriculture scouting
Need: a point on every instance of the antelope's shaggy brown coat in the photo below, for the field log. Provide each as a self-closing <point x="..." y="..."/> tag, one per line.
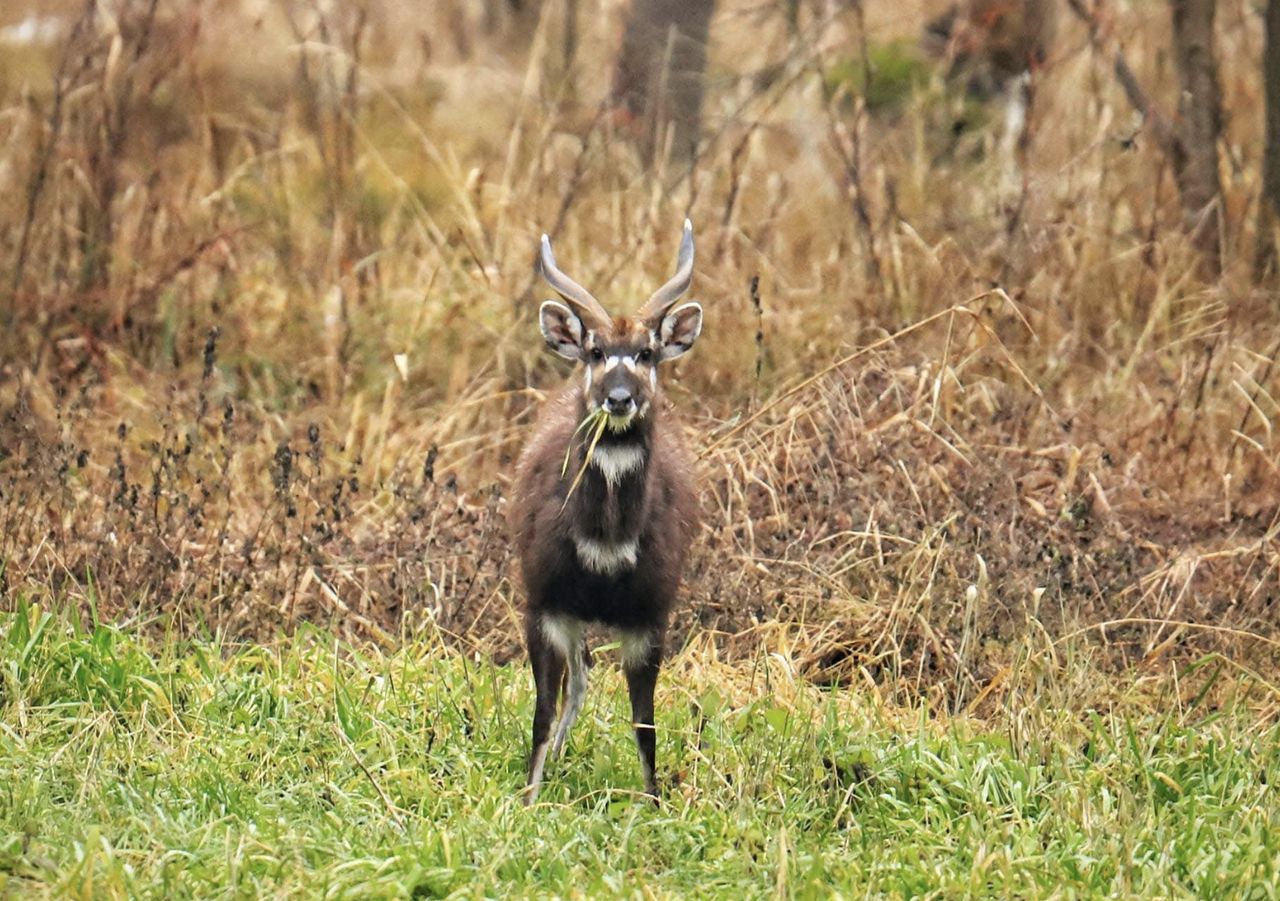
<point x="654" y="505"/>
<point x="607" y="548"/>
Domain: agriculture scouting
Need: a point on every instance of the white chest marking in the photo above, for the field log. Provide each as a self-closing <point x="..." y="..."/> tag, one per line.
<point x="616" y="462"/>
<point x="607" y="559"/>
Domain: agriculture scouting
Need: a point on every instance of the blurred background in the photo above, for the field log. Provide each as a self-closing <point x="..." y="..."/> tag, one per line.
<point x="989" y="360"/>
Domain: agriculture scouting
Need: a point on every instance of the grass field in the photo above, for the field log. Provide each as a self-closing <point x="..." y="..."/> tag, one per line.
<point x="989" y="459"/>
<point x="199" y="769"/>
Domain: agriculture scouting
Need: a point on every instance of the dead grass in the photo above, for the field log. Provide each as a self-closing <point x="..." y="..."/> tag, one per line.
<point x="271" y="347"/>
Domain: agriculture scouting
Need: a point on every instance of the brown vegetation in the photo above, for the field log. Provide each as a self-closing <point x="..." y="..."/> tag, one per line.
<point x="271" y="346"/>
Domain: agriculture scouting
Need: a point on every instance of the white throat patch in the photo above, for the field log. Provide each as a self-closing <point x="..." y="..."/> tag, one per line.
<point x="616" y="462"/>
<point x="607" y="559"/>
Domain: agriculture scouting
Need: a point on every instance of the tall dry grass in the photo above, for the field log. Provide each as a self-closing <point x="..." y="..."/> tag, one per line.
<point x="963" y="395"/>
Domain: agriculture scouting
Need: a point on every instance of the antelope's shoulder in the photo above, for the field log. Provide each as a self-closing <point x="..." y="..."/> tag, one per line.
<point x="554" y="426"/>
<point x="671" y="447"/>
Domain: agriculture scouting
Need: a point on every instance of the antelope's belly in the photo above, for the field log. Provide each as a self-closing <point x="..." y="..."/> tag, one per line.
<point x="610" y="585"/>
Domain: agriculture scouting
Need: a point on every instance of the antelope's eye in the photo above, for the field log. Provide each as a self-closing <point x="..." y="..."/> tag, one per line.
<point x="645" y="355"/>
<point x="597" y="353"/>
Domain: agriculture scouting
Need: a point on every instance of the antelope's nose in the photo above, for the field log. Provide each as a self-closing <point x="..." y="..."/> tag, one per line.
<point x="618" y="401"/>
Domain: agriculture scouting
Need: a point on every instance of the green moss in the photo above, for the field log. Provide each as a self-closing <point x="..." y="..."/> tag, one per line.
<point x="896" y="72"/>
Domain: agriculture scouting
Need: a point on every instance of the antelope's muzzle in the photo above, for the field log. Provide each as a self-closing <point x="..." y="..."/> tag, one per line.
<point x="619" y="402"/>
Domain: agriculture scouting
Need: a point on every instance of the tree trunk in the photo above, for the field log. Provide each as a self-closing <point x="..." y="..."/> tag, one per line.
<point x="1195" y="144"/>
<point x="1265" y="261"/>
<point x="658" y="81"/>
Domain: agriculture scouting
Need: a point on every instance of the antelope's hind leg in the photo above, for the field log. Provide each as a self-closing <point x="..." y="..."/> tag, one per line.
<point x="548" y="670"/>
<point x="576" y="690"/>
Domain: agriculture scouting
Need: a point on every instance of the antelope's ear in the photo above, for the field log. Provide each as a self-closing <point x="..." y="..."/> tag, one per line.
<point x="561" y="329"/>
<point x="679" y="329"/>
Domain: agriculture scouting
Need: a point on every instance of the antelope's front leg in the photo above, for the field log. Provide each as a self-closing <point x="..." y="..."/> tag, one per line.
<point x="641" y="660"/>
<point x="548" y="671"/>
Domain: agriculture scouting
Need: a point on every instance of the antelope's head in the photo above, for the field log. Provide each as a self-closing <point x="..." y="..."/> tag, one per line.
<point x="620" y="355"/>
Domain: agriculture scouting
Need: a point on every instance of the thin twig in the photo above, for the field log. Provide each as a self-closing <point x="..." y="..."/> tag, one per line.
<point x="44" y="155"/>
<point x="1151" y="115"/>
<point x="1154" y="621"/>
<point x="392" y="811"/>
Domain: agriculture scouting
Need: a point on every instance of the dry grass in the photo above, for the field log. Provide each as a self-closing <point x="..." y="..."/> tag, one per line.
<point x="271" y="349"/>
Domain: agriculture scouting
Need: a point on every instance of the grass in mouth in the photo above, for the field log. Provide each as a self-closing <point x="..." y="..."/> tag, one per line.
<point x="594" y="423"/>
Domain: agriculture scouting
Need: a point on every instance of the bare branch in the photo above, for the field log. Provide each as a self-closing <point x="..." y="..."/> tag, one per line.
<point x="1137" y="98"/>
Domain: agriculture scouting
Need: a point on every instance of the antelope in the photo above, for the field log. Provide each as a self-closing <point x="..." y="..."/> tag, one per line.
<point x="992" y="43"/>
<point x="609" y="547"/>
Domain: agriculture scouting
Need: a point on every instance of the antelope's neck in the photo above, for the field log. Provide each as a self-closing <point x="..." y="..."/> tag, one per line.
<point x="608" y="506"/>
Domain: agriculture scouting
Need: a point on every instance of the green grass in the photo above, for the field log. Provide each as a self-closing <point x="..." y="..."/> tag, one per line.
<point x="896" y="72"/>
<point x="153" y="768"/>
